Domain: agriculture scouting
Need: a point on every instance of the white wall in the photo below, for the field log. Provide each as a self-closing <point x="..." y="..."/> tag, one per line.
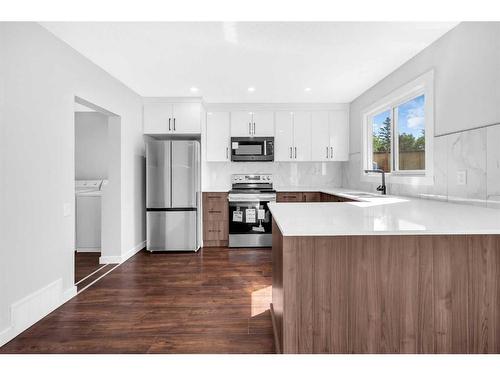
<point x="466" y="64"/>
<point x="91" y="146"/>
<point x="39" y="78"/>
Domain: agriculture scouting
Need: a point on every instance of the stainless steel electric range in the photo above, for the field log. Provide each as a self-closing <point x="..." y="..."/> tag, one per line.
<point x="250" y="220"/>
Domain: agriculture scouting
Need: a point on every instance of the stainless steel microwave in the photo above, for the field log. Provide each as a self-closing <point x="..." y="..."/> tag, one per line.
<point x="252" y="148"/>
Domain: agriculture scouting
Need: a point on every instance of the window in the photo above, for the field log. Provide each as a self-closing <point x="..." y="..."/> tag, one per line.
<point x="398" y="131"/>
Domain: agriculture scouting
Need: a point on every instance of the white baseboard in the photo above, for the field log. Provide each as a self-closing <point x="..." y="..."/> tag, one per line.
<point x="30" y="309"/>
<point x="88" y="250"/>
<point x="124" y="257"/>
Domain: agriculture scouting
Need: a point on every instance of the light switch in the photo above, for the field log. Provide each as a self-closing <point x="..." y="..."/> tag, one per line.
<point x="66" y="209"/>
<point x="462" y="177"/>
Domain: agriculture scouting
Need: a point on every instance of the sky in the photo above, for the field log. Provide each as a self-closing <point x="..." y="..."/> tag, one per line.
<point x="411" y="117"/>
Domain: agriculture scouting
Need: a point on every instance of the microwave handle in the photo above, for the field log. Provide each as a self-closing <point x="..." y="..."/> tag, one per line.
<point x="265" y="147"/>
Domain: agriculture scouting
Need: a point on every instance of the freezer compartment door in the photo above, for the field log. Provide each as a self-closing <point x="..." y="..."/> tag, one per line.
<point x="158" y="174"/>
<point x="171" y="231"/>
<point x="185" y="156"/>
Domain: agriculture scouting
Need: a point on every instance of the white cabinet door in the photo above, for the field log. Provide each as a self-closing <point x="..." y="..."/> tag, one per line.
<point x="156" y="117"/>
<point x="186" y="118"/>
<point x="283" y="136"/>
<point x="302" y="136"/>
<point x="218" y="136"/>
<point x="320" y="136"/>
<point x="263" y="124"/>
<point x="241" y="123"/>
<point x="339" y="135"/>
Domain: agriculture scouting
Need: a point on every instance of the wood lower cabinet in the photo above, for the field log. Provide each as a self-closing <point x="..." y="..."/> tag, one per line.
<point x="386" y="294"/>
<point x="334" y="198"/>
<point x="311" y="196"/>
<point x="283" y="197"/>
<point x="215" y="219"/>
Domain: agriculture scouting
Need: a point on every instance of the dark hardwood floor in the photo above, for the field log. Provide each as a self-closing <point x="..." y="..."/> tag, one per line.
<point x="85" y="264"/>
<point x="214" y="301"/>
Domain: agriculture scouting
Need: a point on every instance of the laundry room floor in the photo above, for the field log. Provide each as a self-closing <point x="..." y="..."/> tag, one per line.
<point x="213" y="301"/>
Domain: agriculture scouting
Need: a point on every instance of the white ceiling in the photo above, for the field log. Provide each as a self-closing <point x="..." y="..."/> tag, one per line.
<point x="337" y="60"/>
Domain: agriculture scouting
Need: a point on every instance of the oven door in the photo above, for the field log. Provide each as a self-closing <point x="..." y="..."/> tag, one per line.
<point x="250" y="224"/>
<point x="252" y="149"/>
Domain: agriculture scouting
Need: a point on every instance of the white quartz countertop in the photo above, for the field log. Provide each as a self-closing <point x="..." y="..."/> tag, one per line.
<point x="376" y="215"/>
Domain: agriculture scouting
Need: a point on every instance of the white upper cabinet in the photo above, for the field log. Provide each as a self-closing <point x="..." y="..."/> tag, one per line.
<point x="263" y="123"/>
<point x="320" y="136"/>
<point x="218" y="134"/>
<point x="283" y="137"/>
<point x="252" y="124"/>
<point x="165" y="118"/>
<point x="330" y="135"/>
<point x="156" y="117"/>
<point x="186" y="118"/>
<point x="292" y="140"/>
<point x="302" y="136"/>
<point x="339" y="135"/>
<point x="241" y="124"/>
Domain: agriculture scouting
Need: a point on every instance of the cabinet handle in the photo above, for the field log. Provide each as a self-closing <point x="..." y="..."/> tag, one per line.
<point x="169" y="124"/>
<point x="214" y="211"/>
<point x="250" y="128"/>
<point x="214" y="230"/>
<point x="295" y="152"/>
<point x="213" y="197"/>
<point x="227" y="153"/>
<point x="254" y="128"/>
<point x="174" y="123"/>
<point x="290" y="152"/>
<point x="331" y="152"/>
<point x="327" y="152"/>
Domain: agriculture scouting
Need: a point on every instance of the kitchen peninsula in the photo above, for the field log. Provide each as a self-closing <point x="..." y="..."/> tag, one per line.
<point x="385" y="275"/>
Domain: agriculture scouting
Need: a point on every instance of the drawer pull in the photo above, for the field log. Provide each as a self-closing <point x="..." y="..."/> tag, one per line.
<point x="214" y="230"/>
<point x="214" y="212"/>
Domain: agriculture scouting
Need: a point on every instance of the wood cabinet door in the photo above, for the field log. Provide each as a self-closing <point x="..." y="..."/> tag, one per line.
<point x="320" y="136"/>
<point x="283" y="136"/>
<point x="311" y="196"/>
<point x="302" y="136"/>
<point x="263" y="123"/>
<point x="241" y="123"/>
<point x="289" y="197"/>
<point x="157" y="117"/>
<point x="339" y="135"/>
<point x="186" y="118"/>
<point x="215" y="219"/>
<point x="218" y="136"/>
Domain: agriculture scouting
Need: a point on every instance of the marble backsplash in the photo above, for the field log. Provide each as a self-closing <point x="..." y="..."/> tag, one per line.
<point x="475" y="151"/>
<point x="217" y="176"/>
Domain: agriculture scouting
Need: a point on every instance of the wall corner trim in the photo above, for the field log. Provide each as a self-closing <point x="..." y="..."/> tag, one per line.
<point x="124" y="257"/>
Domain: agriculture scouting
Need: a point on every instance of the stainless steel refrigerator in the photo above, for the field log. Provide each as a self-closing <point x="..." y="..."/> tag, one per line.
<point x="172" y="194"/>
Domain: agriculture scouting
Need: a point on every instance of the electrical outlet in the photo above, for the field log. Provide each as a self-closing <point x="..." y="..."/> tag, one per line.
<point x="462" y="177"/>
<point x="66" y="209"/>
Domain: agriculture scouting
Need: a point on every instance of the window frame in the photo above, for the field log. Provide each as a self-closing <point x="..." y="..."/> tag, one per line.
<point x="423" y="85"/>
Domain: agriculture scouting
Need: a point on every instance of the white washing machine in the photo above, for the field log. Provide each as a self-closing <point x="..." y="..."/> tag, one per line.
<point x="88" y="195"/>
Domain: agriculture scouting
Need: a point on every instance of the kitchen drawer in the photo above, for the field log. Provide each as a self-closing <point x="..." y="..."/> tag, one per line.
<point x="311" y="196"/>
<point x="215" y="207"/>
<point x="215" y="231"/>
<point x="289" y="197"/>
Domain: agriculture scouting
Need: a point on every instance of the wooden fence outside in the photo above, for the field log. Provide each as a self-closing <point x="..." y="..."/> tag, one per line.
<point x="408" y="160"/>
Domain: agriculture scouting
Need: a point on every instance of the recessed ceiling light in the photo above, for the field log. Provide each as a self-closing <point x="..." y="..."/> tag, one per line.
<point x="307" y="89"/>
<point x="194" y="89"/>
<point x="251" y="89"/>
